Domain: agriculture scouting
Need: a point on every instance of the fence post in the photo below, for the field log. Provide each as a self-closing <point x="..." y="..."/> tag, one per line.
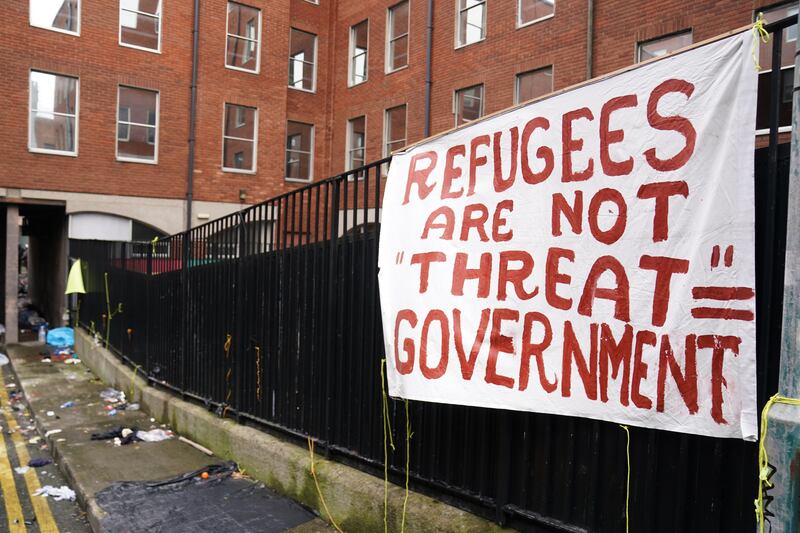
<point x="331" y="343"/>
<point x="238" y="355"/>
<point x="148" y="300"/>
<point x="184" y="307"/>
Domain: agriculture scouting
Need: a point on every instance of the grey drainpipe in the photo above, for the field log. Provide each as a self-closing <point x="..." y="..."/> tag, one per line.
<point x="192" y="115"/>
<point x="428" y="76"/>
<point x="589" y="38"/>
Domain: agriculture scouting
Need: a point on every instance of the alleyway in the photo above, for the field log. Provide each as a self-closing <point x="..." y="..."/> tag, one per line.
<point x="51" y="410"/>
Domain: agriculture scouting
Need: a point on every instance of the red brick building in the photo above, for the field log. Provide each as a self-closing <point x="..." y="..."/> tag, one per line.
<point x="97" y="96"/>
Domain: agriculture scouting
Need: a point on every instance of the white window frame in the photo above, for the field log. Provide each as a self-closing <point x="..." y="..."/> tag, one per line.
<point x="257" y="40"/>
<point x="310" y="154"/>
<point x="386" y="139"/>
<point x="388" y="67"/>
<point x="160" y="17"/>
<point x="124" y="159"/>
<point x="313" y="63"/>
<point x="254" y="140"/>
<point x="455" y="102"/>
<point x="127" y="121"/>
<point x="531" y="71"/>
<point x="73" y="153"/>
<point x="637" y="53"/>
<point x="521" y="24"/>
<point x="315" y="2"/>
<point x="459" y="12"/>
<point x="351" y="57"/>
<point x="76" y="33"/>
<point x="348" y="150"/>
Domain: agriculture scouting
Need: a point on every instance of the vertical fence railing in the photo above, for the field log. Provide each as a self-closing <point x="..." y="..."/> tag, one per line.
<point x="292" y="282"/>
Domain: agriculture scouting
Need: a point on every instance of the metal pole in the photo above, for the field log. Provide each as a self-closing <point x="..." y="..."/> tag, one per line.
<point x="783" y="435"/>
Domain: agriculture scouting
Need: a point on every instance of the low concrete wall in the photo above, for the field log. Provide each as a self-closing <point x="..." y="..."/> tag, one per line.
<point x="355" y="499"/>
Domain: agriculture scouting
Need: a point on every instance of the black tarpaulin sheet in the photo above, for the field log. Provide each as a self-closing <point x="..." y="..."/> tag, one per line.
<point x="189" y="503"/>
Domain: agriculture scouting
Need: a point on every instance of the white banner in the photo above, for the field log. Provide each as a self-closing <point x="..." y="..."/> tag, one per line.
<point x="590" y="254"/>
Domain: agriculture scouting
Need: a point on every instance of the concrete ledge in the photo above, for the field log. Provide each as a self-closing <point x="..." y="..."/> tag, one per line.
<point x="354" y="498"/>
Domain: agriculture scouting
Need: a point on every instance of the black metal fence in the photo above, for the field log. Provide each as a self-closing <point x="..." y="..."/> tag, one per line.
<point x="272" y="315"/>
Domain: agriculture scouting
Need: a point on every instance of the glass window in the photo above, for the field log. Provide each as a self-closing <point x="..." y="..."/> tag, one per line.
<point x="394" y="135"/>
<point x="299" y="151"/>
<point x="140" y="24"/>
<point x="532" y="10"/>
<point x="53" y="121"/>
<point x="533" y="84"/>
<point x="359" y="36"/>
<point x="662" y="45"/>
<point x="58" y="15"/>
<point x="471" y="23"/>
<point x="239" y="138"/>
<point x="468" y="104"/>
<point x="302" y="60"/>
<point x="243" y="44"/>
<point x="788" y="43"/>
<point x="356" y="142"/>
<point x="137" y="125"/>
<point x="397" y="47"/>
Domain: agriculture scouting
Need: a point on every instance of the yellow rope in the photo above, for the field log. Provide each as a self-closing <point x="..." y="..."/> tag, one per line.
<point x="759" y="34"/>
<point x="628" y="477"/>
<point x="258" y="373"/>
<point x="387" y="429"/>
<point x="408" y="464"/>
<point x="763" y="459"/>
<point x="153" y="244"/>
<point x="227" y="347"/>
<point x="316" y="483"/>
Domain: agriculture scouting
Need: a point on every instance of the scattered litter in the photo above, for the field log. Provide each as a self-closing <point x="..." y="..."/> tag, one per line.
<point x="154" y="435"/>
<point x="21" y="470"/>
<point x="126" y="432"/>
<point x="72" y="361"/>
<point x="61" y="337"/>
<point x="11" y="386"/>
<point x="3" y="359"/>
<point x="123" y="435"/>
<point x="68" y="404"/>
<point x="51" y="413"/>
<point x="113" y="395"/>
<point x="132" y="407"/>
<point x="58" y="493"/>
<point x="61" y="440"/>
<point x="52" y="432"/>
<point x="112" y="412"/>
<point x="117" y="441"/>
<point x="152" y="420"/>
<point x="36" y="463"/>
<point x="46" y="360"/>
<point x="195" y="445"/>
<point x="35" y="440"/>
<point x="204" y="475"/>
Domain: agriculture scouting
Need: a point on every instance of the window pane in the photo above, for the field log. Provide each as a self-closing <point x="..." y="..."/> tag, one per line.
<point x="298" y="136"/>
<point x="534" y="84"/>
<point x="56" y="14"/>
<point x="530" y="10"/>
<point x="242" y="20"/>
<point x="50" y="92"/>
<point x="357" y="140"/>
<point x="664" y="45"/>
<point x="785" y="109"/>
<point x="358" y="45"/>
<point x="141" y="103"/>
<point x="395" y="128"/>
<point x="153" y="7"/>
<point x="238" y="154"/>
<point x="240" y="121"/>
<point x="138" y="145"/>
<point x="53" y="132"/>
<point x="399" y="18"/>
<point x="398" y="53"/>
<point x="242" y="53"/>
<point x="139" y="30"/>
<point x="789" y="37"/>
<point x="469" y="104"/>
<point x="302" y="59"/>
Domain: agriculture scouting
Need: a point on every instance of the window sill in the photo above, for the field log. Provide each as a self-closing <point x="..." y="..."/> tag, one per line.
<point x="245" y="70"/>
<point x="52" y="152"/>
<point x="351" y="85"/>
<point x="531" y="23"/>
<point x="134" y="160"/>
<point x="238" y="171"/>
<point x="297" y="180"/>
<point x="398" y="69"/>
<point x="309" y="91"/>
<point x="460" y="46"/>
<point x="142" y="48"/>
<point x="58" y="30"/>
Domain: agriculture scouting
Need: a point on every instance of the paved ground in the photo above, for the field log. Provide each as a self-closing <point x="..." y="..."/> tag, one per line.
<point x="89" y="466"/>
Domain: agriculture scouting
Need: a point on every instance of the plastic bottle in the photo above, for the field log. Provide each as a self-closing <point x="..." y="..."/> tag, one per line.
<point x="43" y="333"/>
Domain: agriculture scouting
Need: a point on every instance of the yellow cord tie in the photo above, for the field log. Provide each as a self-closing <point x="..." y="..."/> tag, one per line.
<point x="153" y="244"/>
<point x="764" y="468"/>
<point x="316" y="483"/>
<point x="258" y="373"/>
<point x="387" y="429"/>
<point x="759" y="34"/>
<point x="227" y="348"/>
<point x="628" y="477"/>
